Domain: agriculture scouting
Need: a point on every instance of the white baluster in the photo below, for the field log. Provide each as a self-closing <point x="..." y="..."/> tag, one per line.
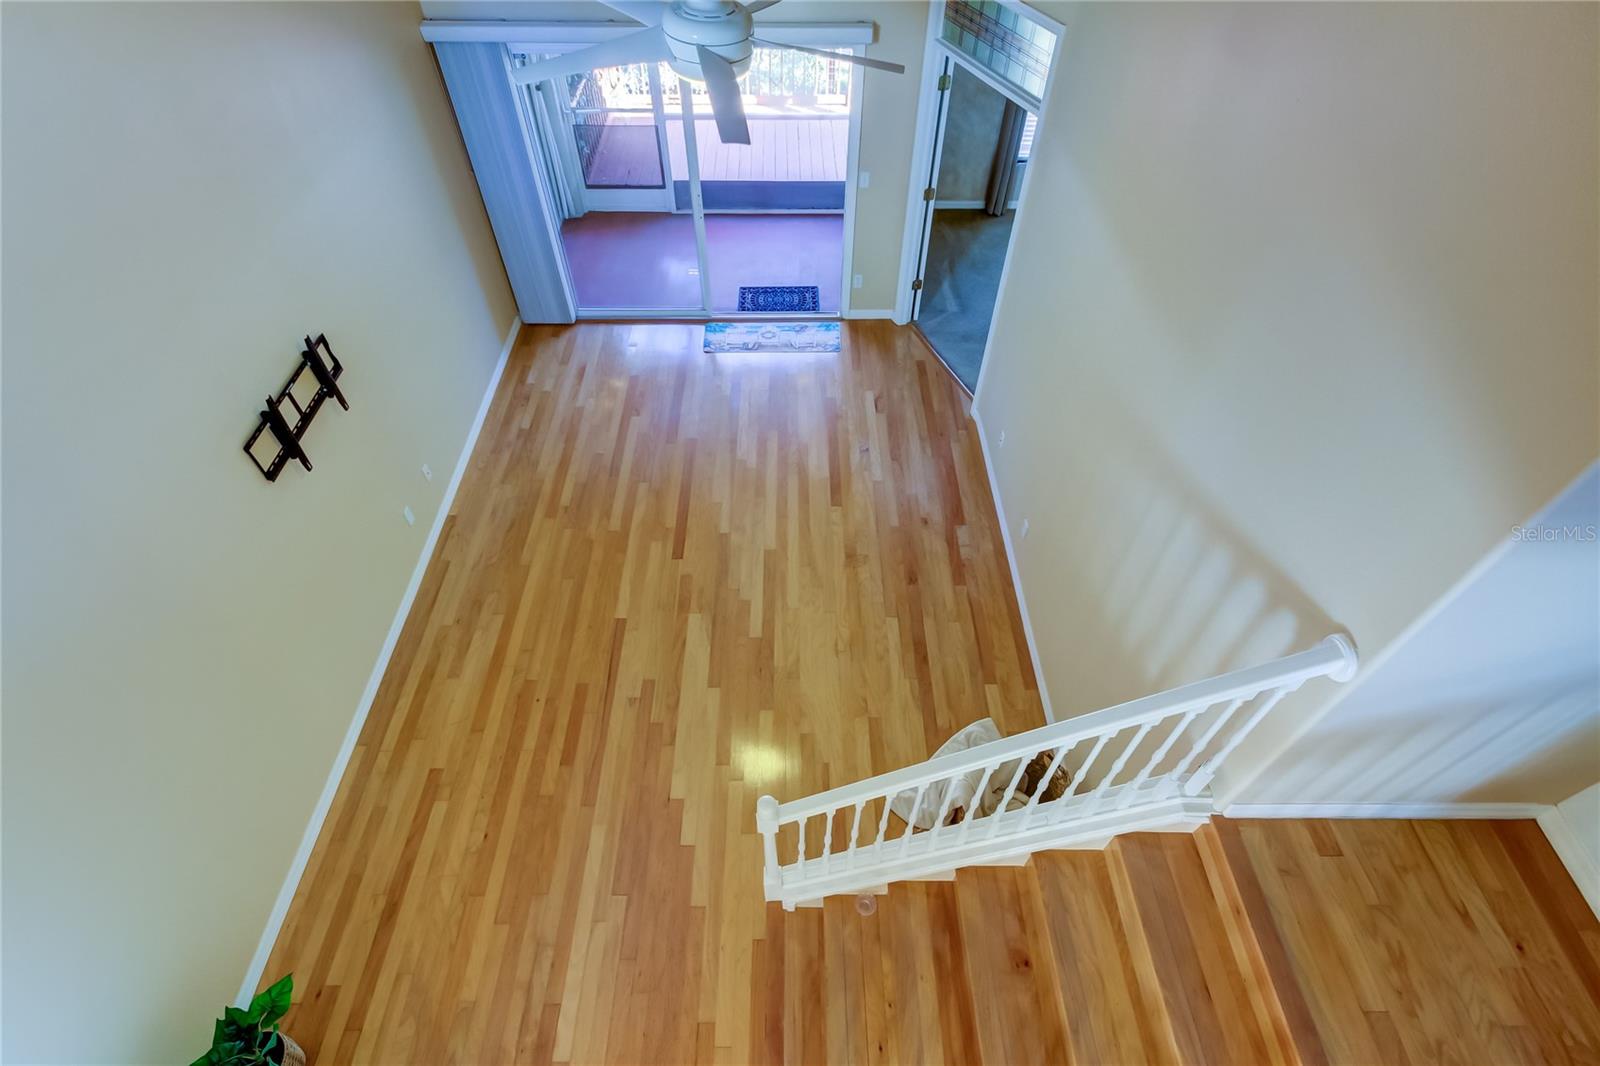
<point x="1132" y="790"/>
<point x="1174" y="780"/>
<point x="977" y="801"/>
<point x="827" y="841"/>
<point x="1202" y="777"/>
<point x="1011" y="790"/>
<point x="883" y="828"/>
<point x="1038" y="793"/>
<point x="911" y="819"/>
<point x="855" y="831"/>
<point x="1098" y="795"/>
<point x="944" y="809"/>
<point x="1077" y="778"/>
<point x="801" y="848"/>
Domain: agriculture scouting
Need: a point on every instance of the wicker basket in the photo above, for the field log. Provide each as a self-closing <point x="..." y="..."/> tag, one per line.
<point x="293" y="1054"/>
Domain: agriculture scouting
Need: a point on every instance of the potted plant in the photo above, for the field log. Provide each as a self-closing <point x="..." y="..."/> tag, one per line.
<point x="250" y="1037"/>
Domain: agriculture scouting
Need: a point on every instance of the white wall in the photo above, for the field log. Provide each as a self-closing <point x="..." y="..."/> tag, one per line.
<point x="1494" y="696"/>
<point x="888" y="110"/>
<point x="187" y="190"/>
<point x="1573" y="827"/>
<point x="1299" y="321"/>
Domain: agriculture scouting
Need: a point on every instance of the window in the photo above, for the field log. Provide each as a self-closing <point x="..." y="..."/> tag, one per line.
<point x="1003" y="39"/>
<point x="1025" y="148"/>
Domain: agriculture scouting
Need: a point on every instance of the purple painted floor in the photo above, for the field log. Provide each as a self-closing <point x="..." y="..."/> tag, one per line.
<point x="631" y="260"/>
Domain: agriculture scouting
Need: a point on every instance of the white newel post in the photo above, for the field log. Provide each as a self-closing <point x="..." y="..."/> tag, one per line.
<point x="767" y="826"/>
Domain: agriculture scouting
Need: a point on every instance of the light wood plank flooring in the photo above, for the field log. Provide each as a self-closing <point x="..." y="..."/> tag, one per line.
<point x="671" y="582"/>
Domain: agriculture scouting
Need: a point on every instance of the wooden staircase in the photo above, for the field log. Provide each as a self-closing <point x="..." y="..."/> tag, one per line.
<point x="1161" y="948"/>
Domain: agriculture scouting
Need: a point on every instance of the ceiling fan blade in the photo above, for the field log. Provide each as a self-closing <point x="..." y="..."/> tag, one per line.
<point x="648" y="12"/>
<point x="875" y="64"/>
<point x="726" y="105"/>
<point x="758" y="5"/>
<point x="645" y="46"/>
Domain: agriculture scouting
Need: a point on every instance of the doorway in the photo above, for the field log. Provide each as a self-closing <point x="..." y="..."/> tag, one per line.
<point x="987" y="74"/>
<point x="660" y="218"/>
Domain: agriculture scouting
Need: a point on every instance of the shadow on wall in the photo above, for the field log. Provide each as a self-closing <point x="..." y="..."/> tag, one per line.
<point x="1185" y="597"/>
<point x="1455" y="751"/>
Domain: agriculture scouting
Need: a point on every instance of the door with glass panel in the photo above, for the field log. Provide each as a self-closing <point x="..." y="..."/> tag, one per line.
<point x="658" y="215"/>
<point x="615" y="139"/>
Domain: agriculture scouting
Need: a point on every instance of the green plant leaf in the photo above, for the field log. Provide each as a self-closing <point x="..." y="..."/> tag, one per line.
<point x="275" y="1000"/>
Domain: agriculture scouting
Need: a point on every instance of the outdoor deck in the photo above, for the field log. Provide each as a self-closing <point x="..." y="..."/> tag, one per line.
<point x="808" y="148"/>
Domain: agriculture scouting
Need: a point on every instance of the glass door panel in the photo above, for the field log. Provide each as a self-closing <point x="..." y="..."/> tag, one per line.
<point x="614" y="120"/>
<point x="628" y="251"/>
<point x="775" y="207"/>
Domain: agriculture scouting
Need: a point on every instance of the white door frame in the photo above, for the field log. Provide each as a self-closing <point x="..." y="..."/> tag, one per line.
<point x="928" y="143"/>
<point x="620" y="198"/>
<point x="556" y="37"/>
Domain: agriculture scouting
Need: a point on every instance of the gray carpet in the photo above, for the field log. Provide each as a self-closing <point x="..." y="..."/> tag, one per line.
<point x="965" y="253"/>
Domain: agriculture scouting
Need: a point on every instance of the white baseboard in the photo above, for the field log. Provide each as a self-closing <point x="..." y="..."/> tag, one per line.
<point x="879" y="312"/>
<point x="1570" y="850"/>
<point x="297" y="868"/>
<point x="1502" y="811"/>
<point x="1011" y="560"/>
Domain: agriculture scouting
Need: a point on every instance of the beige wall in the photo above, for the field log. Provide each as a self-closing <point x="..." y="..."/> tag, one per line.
<point x="888" y="111"/>
<point x="187" y="190"/>
<point x="970" y="132"/>
<point x="1300" y="320"/>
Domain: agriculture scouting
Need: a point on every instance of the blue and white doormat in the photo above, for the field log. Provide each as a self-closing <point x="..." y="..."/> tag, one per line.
<point x="779" y="298"/>
<point x="772" y="337"/>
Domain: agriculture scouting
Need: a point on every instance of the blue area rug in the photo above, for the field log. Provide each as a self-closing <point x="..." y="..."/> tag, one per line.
<point x="779" y="298"/>
<point x="772" y="337"/>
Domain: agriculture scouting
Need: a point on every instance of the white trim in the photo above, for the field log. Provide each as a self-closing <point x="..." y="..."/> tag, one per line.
<point x="1016" y="575"/>
<point x="928" y="145"/>
<point x="1371" y="666"/>
<point x="576" y="34"/>
<point x="1498" y="811"/>
<point x="852" y="177"/>
<point x="870" y="312"/>
<point x="923" y="145"/>
<point x="1564" y="840"/>
<point x="1020" y="220"/>
<point x="319" y="813"/>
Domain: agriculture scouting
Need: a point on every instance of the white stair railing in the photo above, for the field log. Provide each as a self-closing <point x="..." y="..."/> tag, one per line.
<point x="1145" y="764"/>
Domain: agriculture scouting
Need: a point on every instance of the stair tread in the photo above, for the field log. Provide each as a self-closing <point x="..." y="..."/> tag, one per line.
<point x="1201" y="984"/>
<point x="1010" y="967"/>
<point x="886" y="987"/>
<point x="1105" y="1018"/>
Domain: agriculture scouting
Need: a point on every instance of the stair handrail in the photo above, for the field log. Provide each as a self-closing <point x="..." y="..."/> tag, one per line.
<point x="1145" y="785"/>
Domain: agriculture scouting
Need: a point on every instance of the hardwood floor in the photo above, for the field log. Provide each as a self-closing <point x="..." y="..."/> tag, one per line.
<point x="1423" y="942"/>
<point x="671" y="582"/>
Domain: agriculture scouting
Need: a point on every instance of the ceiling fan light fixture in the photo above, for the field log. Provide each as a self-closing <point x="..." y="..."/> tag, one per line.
<point x="719" y="27"/>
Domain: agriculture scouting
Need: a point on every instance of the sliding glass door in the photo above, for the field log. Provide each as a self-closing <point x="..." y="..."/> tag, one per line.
<point x="662" y="217"/>
<point x="775" y="207"/>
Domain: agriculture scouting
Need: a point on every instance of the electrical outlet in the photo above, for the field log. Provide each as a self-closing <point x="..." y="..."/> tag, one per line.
<point x="427" y="471"/>
<point x="864" y="179"/>
<point x="411" y="519"/>
<point x="855" y="282"/>
<point x="1024" y="529"/>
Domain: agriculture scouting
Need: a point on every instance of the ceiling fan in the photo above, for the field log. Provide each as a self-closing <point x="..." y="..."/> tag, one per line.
<point x="705" y="41"/>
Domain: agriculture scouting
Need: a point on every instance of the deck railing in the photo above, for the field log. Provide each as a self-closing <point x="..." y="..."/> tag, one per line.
<point x="1140" y="765"/>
